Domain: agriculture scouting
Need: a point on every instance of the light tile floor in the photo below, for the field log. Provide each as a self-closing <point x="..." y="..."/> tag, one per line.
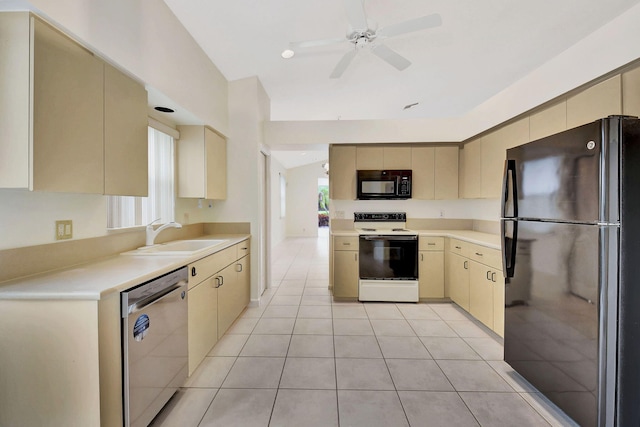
<point x="301" y="359"/>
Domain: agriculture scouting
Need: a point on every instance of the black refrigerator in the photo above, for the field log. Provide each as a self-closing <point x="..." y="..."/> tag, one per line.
<point x="571" y="253"/>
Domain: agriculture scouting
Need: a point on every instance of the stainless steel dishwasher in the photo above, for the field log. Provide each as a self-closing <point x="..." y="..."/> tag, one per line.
<point x="154" y="345"/>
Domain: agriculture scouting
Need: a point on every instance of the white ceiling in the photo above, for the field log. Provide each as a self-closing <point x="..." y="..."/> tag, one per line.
<point x="481" y="48"/>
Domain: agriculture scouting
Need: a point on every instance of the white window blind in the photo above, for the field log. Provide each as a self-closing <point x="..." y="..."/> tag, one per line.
<point x="127" y="211"/>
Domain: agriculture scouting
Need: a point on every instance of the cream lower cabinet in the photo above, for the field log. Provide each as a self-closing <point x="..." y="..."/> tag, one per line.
<point x="203" y="321"/>
<point x="345" y="267"/>
<point x="431" y="267"/>
<point x="458" y="278"/>
<point x="476" y="283"/>
<point x="219" y="289"/>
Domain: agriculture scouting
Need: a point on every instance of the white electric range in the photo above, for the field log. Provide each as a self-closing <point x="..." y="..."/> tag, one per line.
<point x="388" y="257"/>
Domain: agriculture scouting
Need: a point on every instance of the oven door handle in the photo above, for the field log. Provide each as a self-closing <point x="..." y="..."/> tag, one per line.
<point x="387" y="237"/>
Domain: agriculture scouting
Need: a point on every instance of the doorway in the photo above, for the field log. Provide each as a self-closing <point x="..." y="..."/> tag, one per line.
<point x="323" y="206"/>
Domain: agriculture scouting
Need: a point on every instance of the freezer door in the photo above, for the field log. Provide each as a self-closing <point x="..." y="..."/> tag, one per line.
<point x="551" y="314"/>
<point x="556" y="178"/>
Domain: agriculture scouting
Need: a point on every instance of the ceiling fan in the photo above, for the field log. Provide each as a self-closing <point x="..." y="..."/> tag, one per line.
<point x="362" y="37"/>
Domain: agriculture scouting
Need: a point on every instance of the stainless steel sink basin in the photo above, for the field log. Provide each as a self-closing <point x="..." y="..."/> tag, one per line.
<point x="178" y="247"/>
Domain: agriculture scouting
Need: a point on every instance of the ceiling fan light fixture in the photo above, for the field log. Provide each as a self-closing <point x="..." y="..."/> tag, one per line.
<point x="287" y="54"/>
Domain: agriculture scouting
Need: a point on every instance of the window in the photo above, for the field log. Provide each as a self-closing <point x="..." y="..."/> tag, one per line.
<point x="128" y="211"/>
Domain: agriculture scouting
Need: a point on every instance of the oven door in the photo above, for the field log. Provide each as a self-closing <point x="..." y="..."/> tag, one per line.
<point x="388" y="257"/>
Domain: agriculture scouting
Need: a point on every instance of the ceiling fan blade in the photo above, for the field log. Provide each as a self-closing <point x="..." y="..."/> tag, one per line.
<point x="343" y="64"/>
<point x="410" y="26"/>
<point x="355" y="14"/>
<point x="391" y="56"/>
<point x="314" y="43"/>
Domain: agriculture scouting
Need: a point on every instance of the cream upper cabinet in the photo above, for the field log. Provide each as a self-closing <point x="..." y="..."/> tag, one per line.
<point x="631" y="92"/>
<point x="446" y="173"/>
<point x="549" y="121"/>
<point x="398" y="158"/>
<point x="126" y="159"/>
<point x="435" y="172"/>
<point x="471" y="176"/>
<point x="423" y="175"/>
<point x="596" y="102"/>
<point x="202" y="163"/>
<point x="494" y="152"/>
<point x="369" y="158"/>
<point x="342" y="172"/>
<point x="68" y="108"/>
<point x="61" y="128"/>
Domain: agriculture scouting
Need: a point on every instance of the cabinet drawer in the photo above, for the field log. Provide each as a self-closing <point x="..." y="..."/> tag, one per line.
<point x="486" y="256"/>
<point x="243" y="249"/>
<point x="431" y="243"/>
<point x="459" y="247"/>
<point x="207" y="267"/>
<point x="345" y="243"/>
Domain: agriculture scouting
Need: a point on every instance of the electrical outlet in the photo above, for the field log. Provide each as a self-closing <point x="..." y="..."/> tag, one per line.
<point x="64" y="229"/>
<point x="441" y="213"/>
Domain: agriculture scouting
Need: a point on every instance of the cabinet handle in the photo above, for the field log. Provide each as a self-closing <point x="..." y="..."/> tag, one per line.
<point x="466" y="265"/>
<point x="479" y="254"/>
<point x="431" y="244"/>
<point x="193" y="271"/>
<point x="346" y="244"/>
<point x="355" y="256"/>
<point x="421" y="257"/>
<point x="239" y="268"/>
<point x="458" y="247"/>
<point x="493" y="277"/>
<point x="488" y="275"/>
<point x="217" y="282"/>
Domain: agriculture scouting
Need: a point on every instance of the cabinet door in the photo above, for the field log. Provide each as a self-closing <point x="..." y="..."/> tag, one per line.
<point x="481" y="293"/>
<point x="423" y="175"/>
<point x="458" y="278"/>
<point x="126" y="162"/>
<point x="368" y="158"/>
<point x="203" y="321"/>
<point x="68" y="107"/>
<point x="446" y="173"/>
<point x="345" y="274"/>
<point x="243" y="294"/>
<point x="471" y="169"/>
<point x="631" y="92"/>
<point x="342" y="172"/>
<point x="549" y="121"/>
<point x="431" y="274"/>
<point x="216" y="165"/>
<point x="596" y="102"/>
<point x="396" y="158"/>
<point x="498" y="304"/>
<point x="227" y="298"/>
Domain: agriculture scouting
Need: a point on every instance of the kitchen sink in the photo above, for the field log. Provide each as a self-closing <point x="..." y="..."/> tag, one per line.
<point x="178" y="247"/>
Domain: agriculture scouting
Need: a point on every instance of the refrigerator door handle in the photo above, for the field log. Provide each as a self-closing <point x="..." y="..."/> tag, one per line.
<point x="509" y="190"/>
<point x="508" y="248"/>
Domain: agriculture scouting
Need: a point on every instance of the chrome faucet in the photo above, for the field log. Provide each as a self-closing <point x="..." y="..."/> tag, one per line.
<point x="152" y="234"/>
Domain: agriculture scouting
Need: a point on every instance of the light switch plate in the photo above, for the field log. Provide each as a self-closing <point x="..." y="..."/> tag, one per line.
<point x="64" y="229"/>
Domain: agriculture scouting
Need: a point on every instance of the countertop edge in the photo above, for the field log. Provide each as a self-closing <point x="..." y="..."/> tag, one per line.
<point x="151" y="266"/>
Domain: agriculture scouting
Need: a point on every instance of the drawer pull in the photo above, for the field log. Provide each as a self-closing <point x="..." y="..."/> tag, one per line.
<point x="193" y="271"/>
<point x="458" y="247"/>
<point x="479" y="254"/>
<point x="346" y="244"/>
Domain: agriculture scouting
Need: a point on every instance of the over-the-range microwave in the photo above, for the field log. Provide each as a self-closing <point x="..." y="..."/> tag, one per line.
<point x="384" y="184"/>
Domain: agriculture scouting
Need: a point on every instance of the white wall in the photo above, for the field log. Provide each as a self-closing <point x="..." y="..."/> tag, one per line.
<point x="485" y="209"/>
<point x="302" y="199"/>
<point x="278" y="223"/>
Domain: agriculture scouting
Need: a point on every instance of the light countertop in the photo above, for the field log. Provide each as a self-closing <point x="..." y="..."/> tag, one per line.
<point x="476" y="237"/>
<point x="97" y="279"/>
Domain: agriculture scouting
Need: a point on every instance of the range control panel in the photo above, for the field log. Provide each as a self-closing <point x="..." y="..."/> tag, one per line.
<point x="380" y="216"/>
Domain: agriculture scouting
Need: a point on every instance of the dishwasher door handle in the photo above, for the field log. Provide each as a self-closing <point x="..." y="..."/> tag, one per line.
<point x="152" y="299"/>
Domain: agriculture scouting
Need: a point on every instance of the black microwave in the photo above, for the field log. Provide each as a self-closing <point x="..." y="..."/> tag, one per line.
<point x="384" y="184"/>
